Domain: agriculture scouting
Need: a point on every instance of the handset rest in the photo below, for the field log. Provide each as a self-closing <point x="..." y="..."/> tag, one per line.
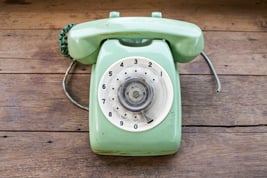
<point x="185" y="39"/>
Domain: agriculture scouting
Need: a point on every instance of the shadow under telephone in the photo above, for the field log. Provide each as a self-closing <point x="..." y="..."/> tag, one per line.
<point x="135" y="102"/>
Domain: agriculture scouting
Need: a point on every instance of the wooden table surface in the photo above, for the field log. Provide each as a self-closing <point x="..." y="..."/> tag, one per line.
<point x="43" y="135"/>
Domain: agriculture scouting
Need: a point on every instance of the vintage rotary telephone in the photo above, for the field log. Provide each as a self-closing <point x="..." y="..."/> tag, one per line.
<point x="135" y="102"/>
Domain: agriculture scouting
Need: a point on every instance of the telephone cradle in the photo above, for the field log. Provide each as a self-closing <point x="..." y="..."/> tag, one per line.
<point x="135" y="100"/>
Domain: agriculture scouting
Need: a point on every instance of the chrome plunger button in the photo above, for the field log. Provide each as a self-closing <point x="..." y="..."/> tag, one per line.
<point x="135" y="94"/>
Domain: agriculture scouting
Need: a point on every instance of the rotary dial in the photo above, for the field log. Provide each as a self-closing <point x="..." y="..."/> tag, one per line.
<point x="135" y="94"/>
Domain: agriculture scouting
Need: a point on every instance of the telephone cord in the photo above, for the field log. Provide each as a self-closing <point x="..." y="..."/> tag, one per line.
<point x="204" y="55"/>
<point x="63" y="40"/>
<point x="63" y="45"/>
<point x="64" y="84"/>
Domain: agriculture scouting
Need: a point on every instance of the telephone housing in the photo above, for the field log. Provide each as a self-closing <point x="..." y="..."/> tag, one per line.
<point x="135" y="102"/>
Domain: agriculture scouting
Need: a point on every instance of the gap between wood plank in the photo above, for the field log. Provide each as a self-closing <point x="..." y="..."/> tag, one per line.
<point x="73" y="73"/>
<point x="203" y="30"/>
<point x="197" y="128"/>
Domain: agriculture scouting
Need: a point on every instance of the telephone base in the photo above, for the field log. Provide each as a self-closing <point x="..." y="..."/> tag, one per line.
<point x="107" y="138"/>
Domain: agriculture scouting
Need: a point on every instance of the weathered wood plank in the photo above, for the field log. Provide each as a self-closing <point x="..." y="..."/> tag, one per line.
<point x="242" y="100"/>
<point x="37" y="102"/>
<point x="42" y="154"/>
<point x="36" y="51"/>
<point x="209" y="15"/>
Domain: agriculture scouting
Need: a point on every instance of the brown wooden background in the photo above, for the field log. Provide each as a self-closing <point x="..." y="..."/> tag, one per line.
<point x="43" y="135"/>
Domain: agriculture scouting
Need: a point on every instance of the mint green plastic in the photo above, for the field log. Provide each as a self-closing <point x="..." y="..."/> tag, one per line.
<point x="185" y="39"/>
<point x="107" y="139"/>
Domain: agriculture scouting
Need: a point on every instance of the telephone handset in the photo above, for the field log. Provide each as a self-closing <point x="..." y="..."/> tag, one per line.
<point x="135" y="102"/>
<point x="185" y="39"/>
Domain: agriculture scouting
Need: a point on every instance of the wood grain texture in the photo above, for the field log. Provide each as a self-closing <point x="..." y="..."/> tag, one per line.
<point x="43" y="135"/>
<point x="36" y="51"/>
<point x="228" y="15"/>
<point x="37" y="101"/>
<point x="68" y="155"/>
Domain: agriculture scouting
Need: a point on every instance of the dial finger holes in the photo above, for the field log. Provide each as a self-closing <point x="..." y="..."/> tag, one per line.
<point x="138" y="91"/>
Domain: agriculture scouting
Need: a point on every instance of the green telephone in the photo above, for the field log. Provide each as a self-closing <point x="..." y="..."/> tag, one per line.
<point x="135" y="102"/>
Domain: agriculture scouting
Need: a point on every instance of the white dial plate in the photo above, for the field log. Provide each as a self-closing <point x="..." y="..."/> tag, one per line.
<point x="156" y="83"/>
